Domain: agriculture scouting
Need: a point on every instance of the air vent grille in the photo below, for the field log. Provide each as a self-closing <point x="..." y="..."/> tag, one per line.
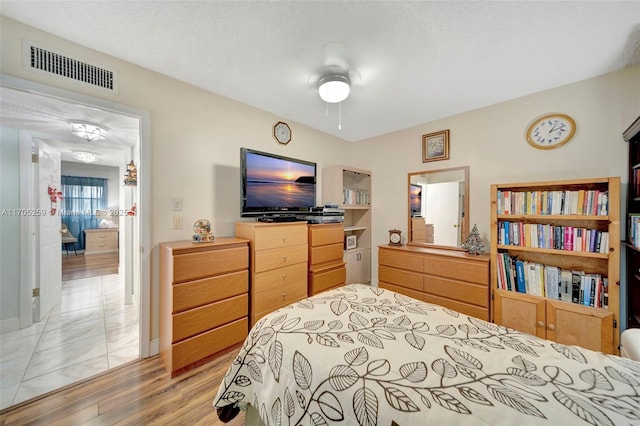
<point x="54" y="63"/>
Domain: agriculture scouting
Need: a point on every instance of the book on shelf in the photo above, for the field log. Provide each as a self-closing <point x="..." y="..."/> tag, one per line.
<point x="570" y="202"/>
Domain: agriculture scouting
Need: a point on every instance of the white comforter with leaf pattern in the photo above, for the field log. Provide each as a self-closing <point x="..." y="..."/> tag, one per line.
<point x="360" y="355"/>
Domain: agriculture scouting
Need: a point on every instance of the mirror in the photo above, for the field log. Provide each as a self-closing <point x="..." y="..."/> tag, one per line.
<point x="439" y="207"/>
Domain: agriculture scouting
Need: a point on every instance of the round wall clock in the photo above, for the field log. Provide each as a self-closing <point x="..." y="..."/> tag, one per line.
<point x="282" y="133"/>
<point x="551" y="131"/>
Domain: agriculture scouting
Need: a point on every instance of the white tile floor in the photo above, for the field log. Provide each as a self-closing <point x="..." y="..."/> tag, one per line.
<point x="90" y="331"/>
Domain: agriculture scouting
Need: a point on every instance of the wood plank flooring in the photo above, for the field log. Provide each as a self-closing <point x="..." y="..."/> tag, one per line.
<point x="93" y="265"/>
<point x="139" y="393"/>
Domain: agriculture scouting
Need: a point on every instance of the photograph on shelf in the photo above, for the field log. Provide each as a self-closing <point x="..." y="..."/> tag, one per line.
<point x="350" y="242"/>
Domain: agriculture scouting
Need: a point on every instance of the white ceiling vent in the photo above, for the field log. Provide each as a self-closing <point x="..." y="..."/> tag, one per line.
<point x="36" y="58"/>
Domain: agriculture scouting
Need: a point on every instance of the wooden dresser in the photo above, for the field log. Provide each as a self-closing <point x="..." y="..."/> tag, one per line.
<point x="101" y="240"/>
<point x="450" y="278"/>
<point x="278" y="264"/>
<point x="326" y="249"/>
<point x="204" y="300"/>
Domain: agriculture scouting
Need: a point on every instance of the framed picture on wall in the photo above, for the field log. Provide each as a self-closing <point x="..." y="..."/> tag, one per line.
<point x="350" y="242"/>
<point x="435" y="146"/>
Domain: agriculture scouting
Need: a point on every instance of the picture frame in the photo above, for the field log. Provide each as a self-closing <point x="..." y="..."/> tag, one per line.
<point x="435" y="146"/>
<point x="350" y="242"/>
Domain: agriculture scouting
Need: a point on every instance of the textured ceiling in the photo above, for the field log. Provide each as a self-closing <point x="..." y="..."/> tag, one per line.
<point x="411" y="62"/>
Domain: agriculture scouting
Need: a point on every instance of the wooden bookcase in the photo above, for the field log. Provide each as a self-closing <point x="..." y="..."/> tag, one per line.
<point x="632" y="135"/>
<point x="350" y="189"/>
<point x="561" y="321"/>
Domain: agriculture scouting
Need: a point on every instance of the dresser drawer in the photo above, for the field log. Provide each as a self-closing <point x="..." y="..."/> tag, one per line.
<point x="198" y="347"/>
<point x="97" y="246"/>
<point x="281" y="295"/>
<point x="279" y="236"/>
<point x="270" y="281"/>
<point x="400" y="277"/>
<point x="327" y="253"/>
<point x="265" y="260"/>
<point x="202" y="264"/>
<point x="325" y="280"/>
<point x="320" y="235"/>
<point x="402" y="290"/>
<point x="201" y="292"/>
<point x="194" y="321"/>
<point x="474" y="294"/>
<point x="95" y="236"/>
<point x="464" y="270"/>
<point x="401" y="260"/>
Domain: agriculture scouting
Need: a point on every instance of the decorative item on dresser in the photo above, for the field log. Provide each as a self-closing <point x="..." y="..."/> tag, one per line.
<point x="451" y="278"/>
<point x="632" y="246"/>
<point x="350" y="189"/>
<point x="102" y="240"/>
<point x="278" y="264"/>
<point x="204" y="300"/>
<point x="555" y="260"/>
<point x="326" y="266"/>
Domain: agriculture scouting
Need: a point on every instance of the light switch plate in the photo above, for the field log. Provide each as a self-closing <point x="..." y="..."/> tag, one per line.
<point x="176" y="221"/>
<point x="176" y="204"/>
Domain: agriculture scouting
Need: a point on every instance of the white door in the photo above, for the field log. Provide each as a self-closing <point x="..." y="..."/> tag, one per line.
<point x="443" y="213"/>
<point x="48" y="259"/>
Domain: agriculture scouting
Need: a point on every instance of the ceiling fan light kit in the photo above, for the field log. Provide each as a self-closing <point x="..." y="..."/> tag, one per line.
<point x="87" y="131"/>
<point x="334" y="88"/>
<point x="85" y="156"/>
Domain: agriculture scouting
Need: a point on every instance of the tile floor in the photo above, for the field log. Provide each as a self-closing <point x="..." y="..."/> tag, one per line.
<point x="90" y="331"/>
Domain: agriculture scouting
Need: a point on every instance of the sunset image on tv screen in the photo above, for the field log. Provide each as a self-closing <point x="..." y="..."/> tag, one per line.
<point x="275" y="182"/>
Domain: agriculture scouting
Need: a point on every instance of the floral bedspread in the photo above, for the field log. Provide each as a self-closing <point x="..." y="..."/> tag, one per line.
<point x="360" y="355"/>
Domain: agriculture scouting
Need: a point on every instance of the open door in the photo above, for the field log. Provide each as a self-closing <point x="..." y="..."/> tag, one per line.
<point x="48" y="258"/>
<point x="444" y="213"/>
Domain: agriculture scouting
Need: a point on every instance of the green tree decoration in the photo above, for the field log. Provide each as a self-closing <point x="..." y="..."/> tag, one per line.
<point x="473" y="243"/>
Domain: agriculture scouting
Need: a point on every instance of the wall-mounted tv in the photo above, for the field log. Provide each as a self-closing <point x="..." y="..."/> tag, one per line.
<point x="274" y="184"/>
<point x="415" y="195"/>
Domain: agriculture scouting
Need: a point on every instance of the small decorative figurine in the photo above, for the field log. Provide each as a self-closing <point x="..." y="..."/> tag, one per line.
<point x="473" y="243"/>
<point x="202" y="231"/>
<point x="131" y="175"/>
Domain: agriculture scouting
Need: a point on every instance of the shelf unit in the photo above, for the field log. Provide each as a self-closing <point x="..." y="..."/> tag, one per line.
<point x="533" y="312"/>
<point x="632" y="136"/>
<point x="350" y="189"/>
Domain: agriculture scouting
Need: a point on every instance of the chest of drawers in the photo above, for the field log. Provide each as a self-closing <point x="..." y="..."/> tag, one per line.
<point x="102" y="240"/>
<point x="278" y="264"/>
<point x="326" y="249"/>
<point x="204" y="300"/>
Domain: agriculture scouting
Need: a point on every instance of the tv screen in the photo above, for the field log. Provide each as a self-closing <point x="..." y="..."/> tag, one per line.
<point x="274" y="184"/>
<point x="416" y="199"/>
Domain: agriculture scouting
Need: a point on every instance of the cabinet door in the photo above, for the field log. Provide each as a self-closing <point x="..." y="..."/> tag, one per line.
<point x="573" y="324"/>
<point x="358" y="263"/>
<point x="521" y="312"/>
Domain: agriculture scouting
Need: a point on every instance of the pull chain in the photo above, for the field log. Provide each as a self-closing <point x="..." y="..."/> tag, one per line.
<point x="339" y="115"/>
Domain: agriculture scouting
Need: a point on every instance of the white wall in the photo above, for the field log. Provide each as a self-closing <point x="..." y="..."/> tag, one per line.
<point x="9" y="229"/>
<point x="111" y="173"/>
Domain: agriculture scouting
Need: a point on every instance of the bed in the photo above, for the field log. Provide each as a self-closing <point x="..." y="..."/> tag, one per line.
<point x="361" y="355"/>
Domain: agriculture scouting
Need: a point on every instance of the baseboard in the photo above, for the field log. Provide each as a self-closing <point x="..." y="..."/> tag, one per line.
<point x="10" y="324"/>
<point x="154" y="347"/>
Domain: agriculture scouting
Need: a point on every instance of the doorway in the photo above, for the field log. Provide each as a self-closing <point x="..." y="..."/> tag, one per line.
<point x="76" y="295"/>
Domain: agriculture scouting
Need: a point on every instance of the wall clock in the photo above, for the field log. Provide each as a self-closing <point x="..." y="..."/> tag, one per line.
<point x="395" y="237"/>
<point x="551" y="131"/>
<point x="282" y="133"/>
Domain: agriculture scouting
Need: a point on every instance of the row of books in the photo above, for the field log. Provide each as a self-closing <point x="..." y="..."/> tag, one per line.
<point x="552" y="282"/>
<point x="538" y="235"/>
<point x="635" y="184"/>
<point x="578" y="202"/>
<point x="355" y="196"/>
<point x="634" y="229"/>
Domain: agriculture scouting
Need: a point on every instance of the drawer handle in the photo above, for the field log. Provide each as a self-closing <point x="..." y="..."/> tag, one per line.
<point x="284" y="258"/>
<point x="284" y="277"/>
<point x="540" y="324"/>
<point x="284" y="296"/>
<point x="284" y="239"/>
<point x="552" y="327"/>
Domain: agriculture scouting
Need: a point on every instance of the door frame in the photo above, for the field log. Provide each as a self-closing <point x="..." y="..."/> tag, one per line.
<point x="143" y="208"/>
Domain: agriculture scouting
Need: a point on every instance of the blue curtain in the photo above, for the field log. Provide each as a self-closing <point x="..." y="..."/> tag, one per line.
<point x="81" y="197"/>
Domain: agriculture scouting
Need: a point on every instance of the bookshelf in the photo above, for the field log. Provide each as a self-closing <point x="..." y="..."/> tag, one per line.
<point x="555" y="260"/>
<point x="350" y="189"/>
<point x="632" y="252"/>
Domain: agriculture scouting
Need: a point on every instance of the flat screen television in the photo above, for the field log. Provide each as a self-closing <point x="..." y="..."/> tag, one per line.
<point x="415" y="195"/>
<point x="275" y="185"/>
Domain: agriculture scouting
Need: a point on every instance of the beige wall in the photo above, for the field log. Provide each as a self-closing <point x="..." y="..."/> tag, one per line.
<point x="491" y="141"/>
<point x="196" y="136"/>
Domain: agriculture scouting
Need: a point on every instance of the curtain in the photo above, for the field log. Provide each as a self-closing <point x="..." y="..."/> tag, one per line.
<point x="81" y="197"/>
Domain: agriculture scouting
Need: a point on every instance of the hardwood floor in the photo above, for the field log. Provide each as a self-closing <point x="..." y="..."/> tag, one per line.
<point x="81" y="266"/>
<point x="139" y="393"/>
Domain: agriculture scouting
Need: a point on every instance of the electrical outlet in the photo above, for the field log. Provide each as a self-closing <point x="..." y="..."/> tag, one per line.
<point x="176" y="221"/>
<point x="176" y="204"/>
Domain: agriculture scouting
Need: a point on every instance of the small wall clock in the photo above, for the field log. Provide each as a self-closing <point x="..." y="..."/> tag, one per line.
<point x="282" y="132"/>
<point x="551" y="131"/>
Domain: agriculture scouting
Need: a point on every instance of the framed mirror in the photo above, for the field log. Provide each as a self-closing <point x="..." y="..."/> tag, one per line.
<point x="438" y="202"/>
